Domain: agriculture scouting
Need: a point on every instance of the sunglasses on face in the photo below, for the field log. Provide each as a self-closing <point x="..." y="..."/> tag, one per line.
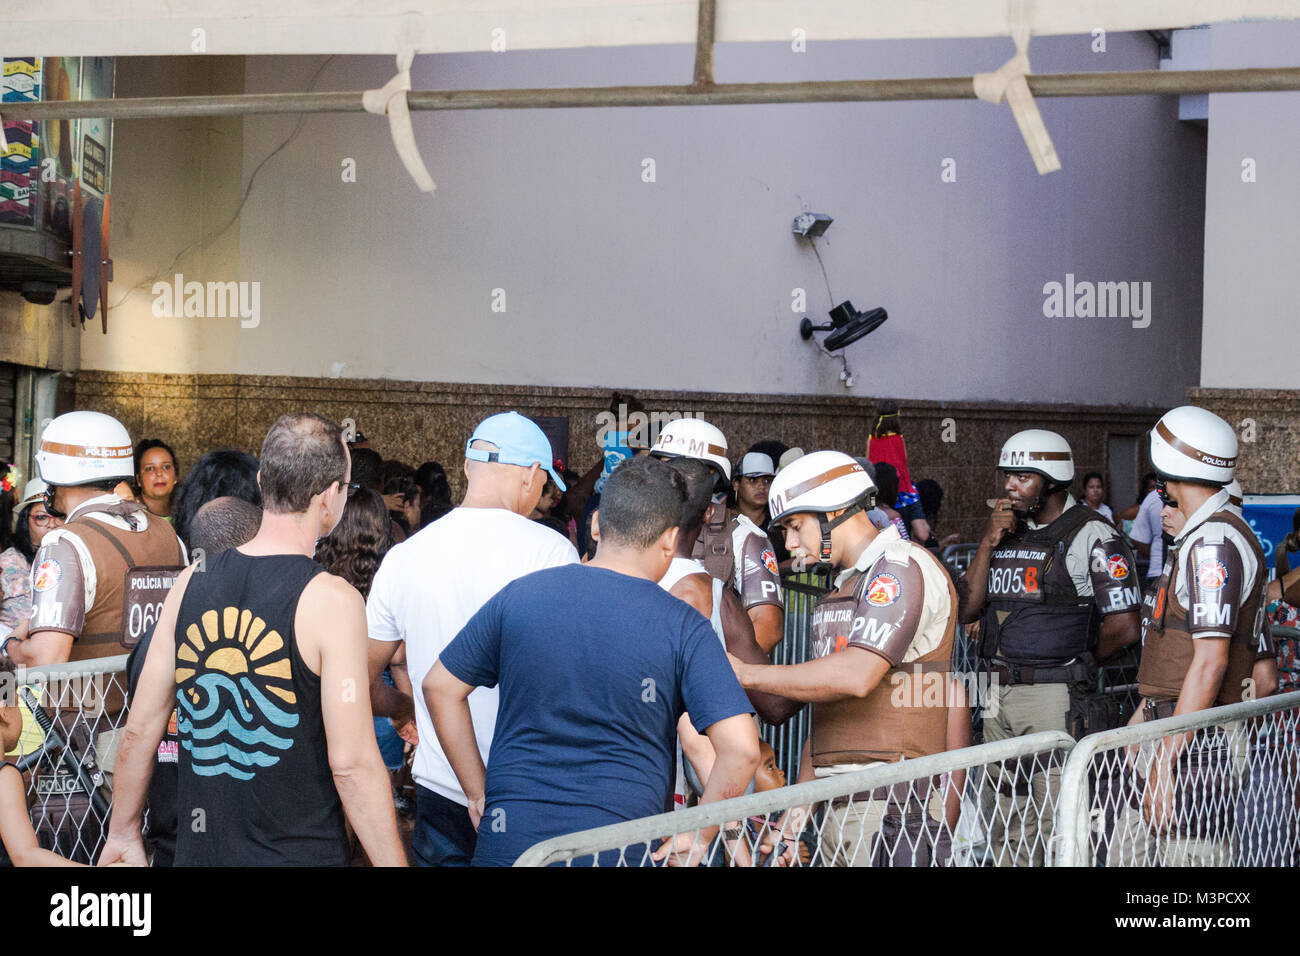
<point x="1163" y="493"/>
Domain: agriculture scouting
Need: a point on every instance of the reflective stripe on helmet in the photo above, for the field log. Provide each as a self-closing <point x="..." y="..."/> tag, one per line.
<point x="87" y="451"/>
<point x="1190" y="450"/>
<point x="780" y="501"/>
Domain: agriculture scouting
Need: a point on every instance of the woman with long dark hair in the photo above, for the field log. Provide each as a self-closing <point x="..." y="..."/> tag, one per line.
<point x="355" y="547"/>
<point x="353" y="551"/>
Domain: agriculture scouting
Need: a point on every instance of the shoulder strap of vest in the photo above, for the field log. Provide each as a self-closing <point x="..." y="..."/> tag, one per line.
<point x="1245" y="530"/>
<point x="111" y="539"/>
<point x="1074" y="519"/>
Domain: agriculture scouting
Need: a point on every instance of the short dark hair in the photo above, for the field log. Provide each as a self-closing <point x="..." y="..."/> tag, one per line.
<point x="642" y="499"/>
<point x="699" y="491"/>
<point x="368" y="468"/>
<point x="302" y="455"/>
<point x="223" y="523"/>
<point x="217" y="474"/>
<point x="1091" y="475"/>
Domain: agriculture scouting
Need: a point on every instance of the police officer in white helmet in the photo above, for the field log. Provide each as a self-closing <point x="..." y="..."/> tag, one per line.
<point x="1201" y="633"/>
<point x="1054" y="587"/>
<point x="885" y="629"/>
<point x="98" y="583"/>
<point x="732" y="548"/>
<point x="81" y="576"/>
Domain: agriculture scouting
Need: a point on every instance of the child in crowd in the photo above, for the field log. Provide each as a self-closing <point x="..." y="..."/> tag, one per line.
<point x="18" y="846"/>
<point x="770" y="777"/>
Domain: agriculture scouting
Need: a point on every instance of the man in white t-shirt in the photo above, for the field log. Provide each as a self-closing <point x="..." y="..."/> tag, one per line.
<point x="427" y="589"/>
<point x="1148" y="535"/>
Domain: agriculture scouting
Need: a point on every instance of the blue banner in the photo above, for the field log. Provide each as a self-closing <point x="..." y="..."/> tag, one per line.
<point x="1271" y="517"/>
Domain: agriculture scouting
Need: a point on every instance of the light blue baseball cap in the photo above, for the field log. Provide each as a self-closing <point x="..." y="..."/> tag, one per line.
<point x="519" y="442"/>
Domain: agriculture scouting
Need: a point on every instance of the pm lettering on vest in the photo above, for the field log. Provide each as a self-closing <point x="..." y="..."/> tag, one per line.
<point x="1211" y="614"/>
<point x="872" y="631"/>
<point x="1119" y="599"/>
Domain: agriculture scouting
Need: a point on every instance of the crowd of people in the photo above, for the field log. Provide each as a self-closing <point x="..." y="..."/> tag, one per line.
<point x="337" y="652"/>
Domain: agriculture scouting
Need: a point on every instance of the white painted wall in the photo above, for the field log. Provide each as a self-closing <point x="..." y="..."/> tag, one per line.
<point x="1252" y="229"/>
<point x="685" y="283"/>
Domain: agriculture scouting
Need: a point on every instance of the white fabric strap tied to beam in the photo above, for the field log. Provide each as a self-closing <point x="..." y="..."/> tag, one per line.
<point x="1008" y="82"/>
<point x="4" y="143"/>
<point x="391" y="100"/>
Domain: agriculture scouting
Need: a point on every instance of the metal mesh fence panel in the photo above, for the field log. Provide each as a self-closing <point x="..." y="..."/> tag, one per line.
<point x="1215" y="787"/>
<point x="931" y="811"/>
<point x="73" y="716"/>
<point x="801" y="592"/>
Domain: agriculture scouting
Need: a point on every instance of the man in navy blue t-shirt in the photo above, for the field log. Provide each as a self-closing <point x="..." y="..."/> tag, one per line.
<point x="595" y="664"/>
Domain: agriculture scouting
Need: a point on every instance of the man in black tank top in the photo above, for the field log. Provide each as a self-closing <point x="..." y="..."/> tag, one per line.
<point x="263" y="656"/>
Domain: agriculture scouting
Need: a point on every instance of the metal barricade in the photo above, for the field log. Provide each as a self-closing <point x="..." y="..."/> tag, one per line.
<point x="1118" y="679"/>
<point x="73" y="715"/>
<point x="932" y="811"/>
<point x="1216" y="787"/>
<point x="958" y="556"/>
<point x="801" y="592"/>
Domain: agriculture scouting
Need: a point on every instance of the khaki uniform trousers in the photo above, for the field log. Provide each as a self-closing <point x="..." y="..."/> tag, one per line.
<point x="849" y="831"/>
<point x="1020" y="825"/>
<point x="1135" y="843"/>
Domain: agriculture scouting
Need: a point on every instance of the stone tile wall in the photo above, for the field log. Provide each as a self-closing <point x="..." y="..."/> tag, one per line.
<point x="955" y="443"/>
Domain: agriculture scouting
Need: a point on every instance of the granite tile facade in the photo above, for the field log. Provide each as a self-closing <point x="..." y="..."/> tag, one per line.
<point x="955" y="443"/>
<point x="1268" y="434"/>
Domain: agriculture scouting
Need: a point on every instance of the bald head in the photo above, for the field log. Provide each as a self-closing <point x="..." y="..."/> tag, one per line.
<point x="493" y="484"/>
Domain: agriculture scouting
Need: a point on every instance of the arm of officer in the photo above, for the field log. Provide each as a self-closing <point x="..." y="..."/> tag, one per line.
<point x="1112" y="571"/>
<point x="1002" y="520"/>
<point x="742" y="642"/>
<point x="1118" y="631"/>
<point x="854" y="672"/>
<point x="41" y="648"/>
<point x="58" y="605"/>
<point x="1263" y="677"/>
<point x="1200" y="688"/>
<point x="738" y="634"/>
<point x="333" y="618"/>
<point x="878" y="638"/>
<point x="146" y="722"/>
<point x="758" y="581"/>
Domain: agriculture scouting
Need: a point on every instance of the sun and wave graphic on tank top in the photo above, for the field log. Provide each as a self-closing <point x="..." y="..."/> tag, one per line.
<point x="232" y="676"/>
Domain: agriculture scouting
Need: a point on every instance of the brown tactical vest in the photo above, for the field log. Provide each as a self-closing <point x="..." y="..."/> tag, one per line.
<point x="1167" y="644"/>
<point x="115" y="552"/>
<point x="876" y="727"/>
<point x="713" y="546"/>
